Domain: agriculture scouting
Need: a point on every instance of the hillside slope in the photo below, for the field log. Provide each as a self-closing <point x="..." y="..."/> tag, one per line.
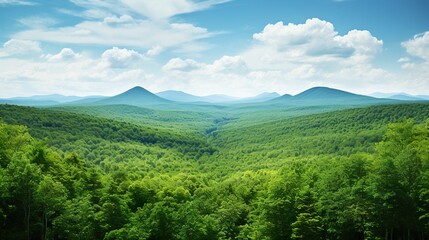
<point x="136" y="96"/>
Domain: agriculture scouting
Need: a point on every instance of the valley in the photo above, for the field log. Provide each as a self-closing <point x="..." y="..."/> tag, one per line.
<point x="323" y="164"/>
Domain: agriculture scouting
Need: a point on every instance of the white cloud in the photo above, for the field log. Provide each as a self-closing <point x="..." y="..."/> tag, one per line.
<point x="19" y="47"/>
<point x="313" y="42"/>
<point x="143" y="24"/>
<point x="403" y="60"/>
<point x="226" y="65"/>
<point x="87" y="76"/>
<point x="17" y="2"/>
<point x="140" y="34"/>
<point x="154" y="51"/>
<point x="87" y="13"/>
<point x="119" y="58"/>
<point x="418" y="46"/>
<point x="178" y="64"/>
<point x="38" y="22"/>
<point x="288" y="59"/>
<point x="415" y="72"/>
<point x="229" y="64"/>
<point x="66" y="54"/>
<point x="115" y="19"/>
<point x="155" y="10"/>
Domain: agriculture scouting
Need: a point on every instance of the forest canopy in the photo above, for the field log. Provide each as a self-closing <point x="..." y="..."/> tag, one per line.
<point x="81" y="179"/>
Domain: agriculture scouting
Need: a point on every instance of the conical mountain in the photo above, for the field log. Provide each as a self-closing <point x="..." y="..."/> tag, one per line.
<point x="136" y="96"/>
<point x="328" y="96"/>
<point x="318" y="93"/>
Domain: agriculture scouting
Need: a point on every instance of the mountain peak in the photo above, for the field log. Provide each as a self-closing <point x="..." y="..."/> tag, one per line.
<point x="137" y="89"/>
<point x="325" y="93"/>
<point x="136" y="96"/>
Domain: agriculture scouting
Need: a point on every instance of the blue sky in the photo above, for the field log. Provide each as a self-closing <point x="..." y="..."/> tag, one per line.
<point x="236" y="47"/>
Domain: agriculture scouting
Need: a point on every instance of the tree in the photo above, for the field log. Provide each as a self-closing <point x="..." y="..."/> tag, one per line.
<point x="22" y="179"/>
<point x="308" y="224"/>
<point x="52" y="196"/>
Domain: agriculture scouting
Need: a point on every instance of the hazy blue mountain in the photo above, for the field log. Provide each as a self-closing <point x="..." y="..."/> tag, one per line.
<point x="136" y="96"/>
<point x="87" y="100"/>
<point x="406" y="97"/>
<point x="400" y="96"/>
<point x="219" y="98"/>
<point x="327" y="93"/>
<point x="426" y="97"/>
<point x="27" y="102"/>
<point x="266" y="96"/>
<point x="180" y="96"/>
<point x="52" y="97"/>
<point x="383" y="95"/>
<point x="282" y="98"/>
<point x="329" y="96"/>
<point x="51" y="100"/>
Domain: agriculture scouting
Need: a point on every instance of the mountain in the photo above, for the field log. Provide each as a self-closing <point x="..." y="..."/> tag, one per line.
<point x="180" y="96"/>
<point x="383" y="95"/>
<point x="406" y="97"/>
<point x="87" y="100"/>
<point x="52" y="97"/>
<point x="266" y="96"/>
<point x="327" y="93"/>
<point x="282" y="98"/>
<point x="50" y="100"/>
<point x="219" y="98"/>
<point x="136" y="96"/>
<point x="28" y="102"/>
<point x="40" y="100"/>
<point x="400" y="96"/>
<point x="329" y="96"/>
<point x="425" y="97"/>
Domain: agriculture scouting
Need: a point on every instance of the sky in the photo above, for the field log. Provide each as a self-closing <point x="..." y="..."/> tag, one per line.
<point x="235" y="47"/>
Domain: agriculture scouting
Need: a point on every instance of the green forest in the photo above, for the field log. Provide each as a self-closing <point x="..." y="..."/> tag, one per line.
<point x="218" y="172"/>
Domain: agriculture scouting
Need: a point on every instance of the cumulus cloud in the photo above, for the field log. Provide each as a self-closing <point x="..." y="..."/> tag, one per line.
<point x="19" y="47"/>
<point x="154" y="51"/>
<point x="184" y="65"/>
<point x="229" y="64"/>
<point x="115" y="19"/>
<point x="61" y="73"/>
<point x="314" y="41"/>
<point x="416" y="67"/>
<point x="418" y="46"/>
<point x="225" y="65"/>
<point x="66" y="54"/>
<point x="119" y="58"/>
<point x="289" y="58"/>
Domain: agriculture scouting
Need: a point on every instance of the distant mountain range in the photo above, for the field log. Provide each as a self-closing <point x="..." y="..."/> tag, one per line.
<point x="180" y="96"/>
<point x="139" y="96"/>
<point x="47" y="100"/>
<point x="328" y="96"/>
<point x="400" y="96"/>
<point x="316" y="96"/>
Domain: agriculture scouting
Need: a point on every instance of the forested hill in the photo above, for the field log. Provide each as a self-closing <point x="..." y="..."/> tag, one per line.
<point x="352" y="174"/>
<point x="334" y="133"/>
<point x="70" y="132"/>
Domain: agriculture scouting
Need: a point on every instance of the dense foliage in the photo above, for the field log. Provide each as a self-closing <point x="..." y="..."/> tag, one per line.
<point x="352" y="174"/>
